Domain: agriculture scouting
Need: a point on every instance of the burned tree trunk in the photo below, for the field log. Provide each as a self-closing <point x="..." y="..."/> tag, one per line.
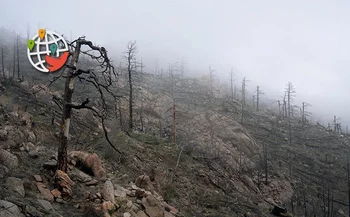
<point x="2" y="62"/>
<point x="67" y="110"/>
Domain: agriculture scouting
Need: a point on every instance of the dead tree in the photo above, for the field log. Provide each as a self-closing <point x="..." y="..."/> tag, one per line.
<point x="290" y="91"/>
<point x="14" y="61"/>
<point x="304" y="113"/>
<point x="2" y="62"/>
<point x="101" y="79"/>
<point x="18" y="68"/>
<point x="130" y="56"/>
<point x="231" y="84"/>
<point x="243" y="101"/>
<point x="258" y="93"/>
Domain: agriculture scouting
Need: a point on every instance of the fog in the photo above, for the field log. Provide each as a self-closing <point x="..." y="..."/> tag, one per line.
<point x="270" y="42"/>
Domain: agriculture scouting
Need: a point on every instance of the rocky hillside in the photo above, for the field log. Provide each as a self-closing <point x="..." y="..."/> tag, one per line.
<point x="216" y="169"/>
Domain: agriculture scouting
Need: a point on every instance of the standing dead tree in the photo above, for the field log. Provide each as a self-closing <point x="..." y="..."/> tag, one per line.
<point x="2" y="62"/>
<point x="17" y="54"/>
<point x="101" y="78"/>
<point x="130" y="56"/>
<point x="258" y="93"/>
<point x="290" y="93"/>
<point x="231" y="85"/>
<point x="304" y="113"/>
<point x="243" y="101"/>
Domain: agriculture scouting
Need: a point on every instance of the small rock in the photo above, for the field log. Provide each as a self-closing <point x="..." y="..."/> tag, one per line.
<point x="56" y="193"/>
<point x="22" y="149"/>
<point x="29" y="146"/>
<point x="126" y="214"/>
<point x="16" y="185"/>
<point x="99" y="195"/>
<point x="285" y="139"/>
<point x="50" y="165"/>
<point x="77" y="206"/>
<point x="108" y="191"/>
<point x="8" y="159"/>
<point x="129" y="204"/>
<point x="38" y="178"/>
<point x="92" y="182"/>
<point x="97" y="200"/>
<point x="134" y="187"/>
<point x="59" y="200"/>
<point x="108" y="206"/>
<point x="46" y="193"/>
<point x="45" y="205"/>
<point x="33" y="154"/>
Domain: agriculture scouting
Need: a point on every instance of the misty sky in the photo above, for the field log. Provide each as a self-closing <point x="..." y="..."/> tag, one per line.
<point x="270" y="42"/>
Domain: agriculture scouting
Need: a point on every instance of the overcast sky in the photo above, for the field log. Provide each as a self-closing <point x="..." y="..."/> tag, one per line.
<point x="270" y="42"/>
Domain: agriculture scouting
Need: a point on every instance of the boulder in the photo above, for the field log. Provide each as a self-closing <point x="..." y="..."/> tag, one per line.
<point x="3" y="171"/>
<point x="144" y="182"/>
<point x="16" y="185"/>
<point x="45" y="192"/>
<point x="7" y="159"/>
<point x="88" y="162"/>
<point x="38" y="178"/>
<point x="9" y="209"/>
<point x="153" y="206"/>
<point x="50" y="165"/>
<point x="3" y="135"/>
<point x="141" y="214"/>
<point x="108" y="191"/>
<point x="33" y="154"/>
<point x="45" y="205"/>
<point x="64" y="183"/>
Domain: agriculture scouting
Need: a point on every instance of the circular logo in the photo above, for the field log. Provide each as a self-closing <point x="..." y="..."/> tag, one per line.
<point x="47" y="51"/>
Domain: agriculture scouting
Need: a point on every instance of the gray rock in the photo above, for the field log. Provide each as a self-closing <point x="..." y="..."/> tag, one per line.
<point x="3" y="171"/>
<point x="8" y="159"/>
<point x="50" y="165"/>
<point x="45" y="205"/>
<point x="108" y="191"/>
<point x="33" y="153"/>
<point x="8" y="209"/>
<point x="3" y="135"/>
<point x="16" y="185"/>
<point x="80" y="176"/>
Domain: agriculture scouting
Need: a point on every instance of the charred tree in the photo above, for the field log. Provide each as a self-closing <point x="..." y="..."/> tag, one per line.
<point x="101" y="80"/>
<point x="2" y="62"/>
<point x="130" y="55"/>
<point x="231" y="85"/>
<point x="258" y="93"/>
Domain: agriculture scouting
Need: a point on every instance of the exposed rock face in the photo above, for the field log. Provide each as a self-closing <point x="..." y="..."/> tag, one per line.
<point x="9" y="209"/>
<point x="7" y="159"/>
<point x="89" y="162"/>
